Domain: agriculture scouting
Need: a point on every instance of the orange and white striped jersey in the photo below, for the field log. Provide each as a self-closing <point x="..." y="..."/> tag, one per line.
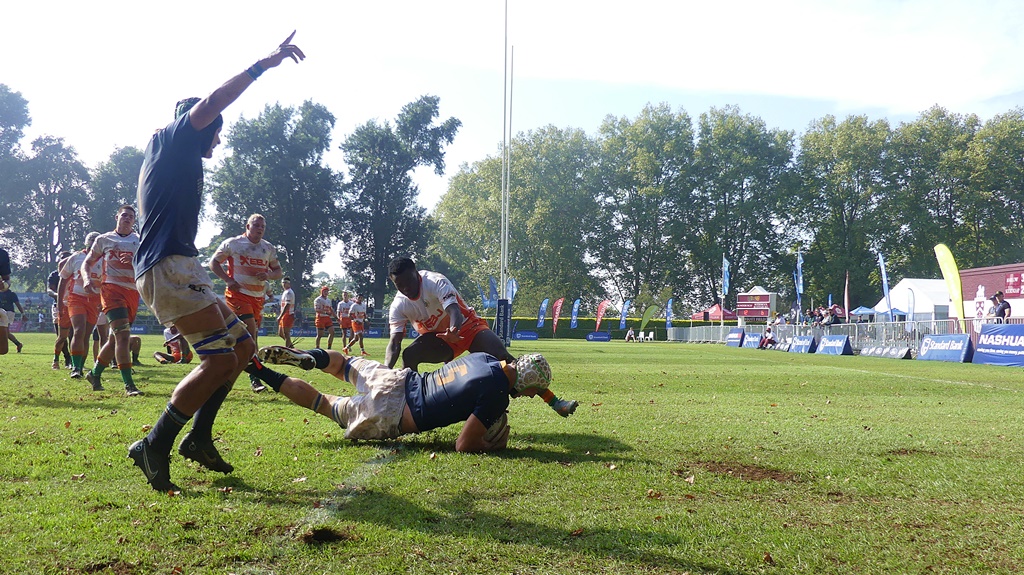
<point x="427" y="312"/>
<point x="117" y="252"/>
<point x="245" y="260"/>
<point x="357" y="312"/>
<point x="322" y="307"/>
<point x="72" y="269"/>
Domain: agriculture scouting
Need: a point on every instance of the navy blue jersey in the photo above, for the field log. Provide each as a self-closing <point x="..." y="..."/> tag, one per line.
<point x="170" y="194"/>
<point x="7" y="300"/>
<point x="471" y="385"/>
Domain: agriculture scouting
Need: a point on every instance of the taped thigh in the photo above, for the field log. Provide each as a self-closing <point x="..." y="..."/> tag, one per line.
<point x="237" y="329"/>
<point x="213" y="342"/>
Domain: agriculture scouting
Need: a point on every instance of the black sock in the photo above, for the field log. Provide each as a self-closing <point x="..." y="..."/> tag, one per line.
<point x="321" y="357"/>
<point x="269" y="377"/>
<point x="166" y="429"/>
<point x="202" y="422"/>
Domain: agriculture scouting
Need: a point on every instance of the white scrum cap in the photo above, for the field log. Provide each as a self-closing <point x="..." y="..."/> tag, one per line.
<point x="533" y="371"/>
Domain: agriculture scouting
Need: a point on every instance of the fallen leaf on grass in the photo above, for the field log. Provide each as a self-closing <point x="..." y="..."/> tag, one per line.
<point x="298" y="480"/>
<point x="577" y="533"/>
<point x="227" y="489"/>
<point x="78" y="477"/>
<point x="433" y="455"/>
<point x="259" y="452"/>
<point x="768" y="558"/>
<point x="67" y="424"/>
<point x="690" y="479"/>
<point x="652" y="494"/>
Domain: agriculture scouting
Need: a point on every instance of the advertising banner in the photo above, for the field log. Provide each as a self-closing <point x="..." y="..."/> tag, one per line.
<point x="956" y="347"/>
<point x="575" y="314"/>
<point x="525" y="335"/>
<point x="503" y="320"/>
<point x="751" y="339"/>
<point x="803" y="344"/>
<point x="600" y="312"/>
<point x="735" y="338"/>
<point x="1000" y="344"/>
<point x="599" y="336"/>
<point x="542" y="312"/>
<point x="835" y="345"/>
<point x="556" y="311"/>
<point x="889" y="351"/>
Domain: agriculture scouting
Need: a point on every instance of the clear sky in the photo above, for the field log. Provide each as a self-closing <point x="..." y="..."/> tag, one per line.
<point x="106" y="74"/>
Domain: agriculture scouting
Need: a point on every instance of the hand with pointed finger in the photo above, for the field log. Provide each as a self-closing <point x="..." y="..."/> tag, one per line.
<point x="285" y="50"/>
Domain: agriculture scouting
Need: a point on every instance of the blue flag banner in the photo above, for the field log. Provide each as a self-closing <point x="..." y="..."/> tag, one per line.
<point x="725" y="276"/>
<point x="799" y="273"/>
<point x="575" y="313"/>
<point x="511" y="287"/>
<point x="885" y="285"/>
<point x="542" y="312"/>
<point x="494" y="290"/>
<point x="622" y="315"/>
<point x="668" y="314"/>
<point x="829" y="300"/>
<point x="488" y="303"/>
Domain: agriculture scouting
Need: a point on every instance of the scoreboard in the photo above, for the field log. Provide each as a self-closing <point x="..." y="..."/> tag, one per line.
<point x="755" y="305"/>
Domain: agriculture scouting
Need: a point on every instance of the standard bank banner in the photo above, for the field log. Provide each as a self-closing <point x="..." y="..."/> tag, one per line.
<point x="835" y="345"/>
<point x="956" y="347"/>
<point x="751" y="339"/>
<point x="735" y="337"/>
<point x="803" y="344"/>
<point x="525" y="335"/>
<point x="599" y="336"/>
<point x="1000" y="344"/>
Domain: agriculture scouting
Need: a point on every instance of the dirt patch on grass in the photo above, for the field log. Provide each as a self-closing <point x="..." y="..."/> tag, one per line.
<point x="321" y="535"/>
<point x="747" y="472"/>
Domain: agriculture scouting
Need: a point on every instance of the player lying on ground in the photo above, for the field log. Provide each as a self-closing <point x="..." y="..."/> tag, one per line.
<point x="474" y="389"/>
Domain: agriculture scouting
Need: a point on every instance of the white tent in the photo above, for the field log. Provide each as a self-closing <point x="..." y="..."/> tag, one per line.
<point x="930" y="299"/>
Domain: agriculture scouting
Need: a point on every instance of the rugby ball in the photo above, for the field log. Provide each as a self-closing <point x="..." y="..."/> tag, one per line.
<point x="495" y="430"/>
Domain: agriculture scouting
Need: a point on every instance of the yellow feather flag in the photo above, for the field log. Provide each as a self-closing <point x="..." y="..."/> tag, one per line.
<point x="952" y="276"/>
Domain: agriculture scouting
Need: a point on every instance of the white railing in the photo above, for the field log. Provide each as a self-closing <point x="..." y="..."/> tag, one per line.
<point x="895" y="333"/>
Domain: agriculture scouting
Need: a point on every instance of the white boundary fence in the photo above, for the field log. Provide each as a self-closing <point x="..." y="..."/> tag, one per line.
<point x="899" y="333"/>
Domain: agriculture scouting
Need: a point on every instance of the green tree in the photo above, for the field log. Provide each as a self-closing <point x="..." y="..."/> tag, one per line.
<point x="14" y="187"/>
<point x="997" y="182"/>
<point x="276" y="169"/>
<point x="114" y="183"/>
<point x="744" y="181"/>
<point x="551" y="219"/>
<point x="379" y="201"/>
<point x="930" y="197"/>
<point x="645" y="176"/>
<point x="54" y="216"/>
<point x="843" y="180"/>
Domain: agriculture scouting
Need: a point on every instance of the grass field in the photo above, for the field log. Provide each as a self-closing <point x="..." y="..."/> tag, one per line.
<point x="680" y="459"/>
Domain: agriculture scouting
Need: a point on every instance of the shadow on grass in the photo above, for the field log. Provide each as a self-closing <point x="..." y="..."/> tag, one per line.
<point x="459" y="516"/>
<point x="541" y="447"/>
